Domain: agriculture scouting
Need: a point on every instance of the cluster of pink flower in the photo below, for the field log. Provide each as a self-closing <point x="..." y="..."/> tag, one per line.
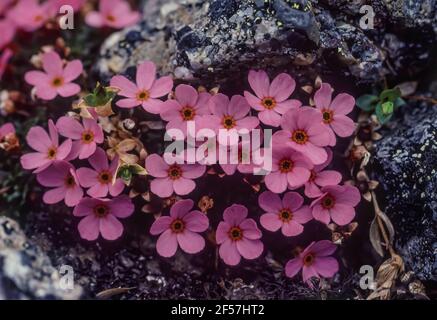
<point x="31" y="15"/>
<point x="301" y="152"/>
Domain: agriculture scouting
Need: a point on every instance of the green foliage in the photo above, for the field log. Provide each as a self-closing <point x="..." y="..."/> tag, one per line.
<point x="383" y="105"/>
<point x="100" y="96"/>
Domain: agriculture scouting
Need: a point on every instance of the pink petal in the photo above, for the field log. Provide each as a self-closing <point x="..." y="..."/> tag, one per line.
<point x="94" y="19"/>
<point x="270" y="118"/>
<point x="87" y="150"/>
<point x="167" y="244"/>
<point x="229" y="169"/>
<point x="98" y="191"/>
<point x="351" y="196"/>
<point x="128" y="103"/>
<point x="312" y="190"/>
<point x="322" y="97"/>
<point x="293" y="266"/>
<point x="270" y="202"/>
<point x="326" y="266"/>
<point x="181" y="208"/>
<point x="221" y="234"/>
<point x="343" y="104"/>
<point x="183" y="186"/>
<point x="298" y="176"/>
<point x="316" y="154"/>
<point x="186" y="95"/>
<point x="162" y="187"/>
<point x="55" y="195"/>
<point x="247" y="123"/>
<point x="34" y="160"/>
<point x="146" y="75"/>
<point x="253" y="101"/>
<point x="282" y="87"/>
<point x="343" y="126"/>
<point x="238" y="107"/>
<point x="160" y="225"/>
<point x="36" y="78"/>
<point x="229" y="253"/>
<point x="328" y="178"/>
<point x="116" y="188"/>
<point x="196" y="221"/>
<point x="321" y="214"/>
<point x="52" y="63"/>
<point x="259" y="82"/>
<point x="72" y="70"/>
<point x="342" y="214"/>
<point x="250" y="229"/>
<point x="156" y="166"/>
<point x="45" y="92"/>
<point x="285" y="106"/>
<point x="308" y="273"/>
<point x="218" y="104"/>
<point x="292" y="201"/>
<point x="190" y="242"/>
<point x="235" y="214"/>
<point x="271" y="221"/>
<point x="55" y="175"/>
<point x="121" y="207"/>
<point x="110" y="227"/>
<point x="153" y="106"/>
<point x="250" y="249"/>
<point x="69" y="128"/>
<point x="161" y="87"/>
<point x="68" y="90"/>
<point x="73" y="196"/>
<point x="127" y="88"/>
<point x="99" y="160"/>
<point x="292" y="229"/>
<point x="89" y="228"/>
<point x="192" y="171"/>
<point x="323" y="248"/>
<point x="38" y="139"/>
<point x="276" y="182"/>
<point x="303" y="215"/>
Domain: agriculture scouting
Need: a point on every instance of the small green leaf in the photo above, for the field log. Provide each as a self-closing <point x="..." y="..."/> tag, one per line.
<point x="390" y="95"/>
<point x="399" y="102"/>
<point x="367" y="102"/>
<point x="384" y="111"/>
<point x="100" y="96"/>
<point x="387" y="107"/>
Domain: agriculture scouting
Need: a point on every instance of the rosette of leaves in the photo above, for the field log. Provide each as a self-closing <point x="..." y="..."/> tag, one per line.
<point x="384" y="105"/>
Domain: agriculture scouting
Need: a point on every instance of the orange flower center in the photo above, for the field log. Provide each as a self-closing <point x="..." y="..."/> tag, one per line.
<point x="188" y="113"/>
<point x="38" y="18"/>
<point x="101" y="210"/>
<point x="328" y="202"/>
<point x="174" y="172"/>
<point x="51" y="153"/>
<point x="235" y="233"/>
<point x="87" y="136"/>
<point x="110" y="18"/>
<point x="328" y="116"/>
<point x="286" y="165"/>
<point x="299" y="136"/>
<point x="308" y="260"/>
<point x="229" y="122"/>
<point x="57" y="82"/>
<point x="105" y="177"/>
<point x="269" y="103"/>
<point x="285" y="215"/>
<point x="177" y="226"/>
<point x="69" y="181"/>
<point x="143" y="95"/>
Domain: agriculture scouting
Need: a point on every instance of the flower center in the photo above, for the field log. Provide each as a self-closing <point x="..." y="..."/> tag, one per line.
<point x="313" y="176"/>
<point x="51" y="153"/>
<point x="174" y="172"/>
<point x="286" y="165"/>
<point x="229" y="122"/>
<point x="87" y="136"/>
<point x="105" y="177"/>
<point x="235" y="233"/>
<point x="328" y="202"/>
<point x="69" y="181"/>
<point x="57" y="82"/>
<point x="101" y="210"/>
<point x="143" y="95"/>
<point x="299" y="136"/>
<point x="269" y="103"/>
<point x="177" y="226"/>
<point x="285" y="215"/>
<point x="327" y="116"/>
<point x="188" y="113"/>
<point x="38" y="18"/>
<point x="308" y="260"/>
<point x="110" y="18"/>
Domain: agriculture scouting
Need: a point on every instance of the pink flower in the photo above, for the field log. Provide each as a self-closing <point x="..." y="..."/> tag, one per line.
<point x="146" y="91"/>
<point x="56" y="79"/>
<point x="29" y="15"/>
<point x="188" y="105"/>
<point x="336" y="203"/>
<point x="6" y="129"/>
<point x="315" y="262"/>
<point x="116" y="14"/>
<point x="101" y="179"/>
<point x="321" y="178"/>
<point x="85" y="136"/>
<point x="62" y="177"/>
<point x="229" y="114"/>
<point x="8" y="32"/>
<point x="101" y="216"/>
<point x="238" y="236"/>
<point x="289" y="169"/>
<point x="271" y="99"/>
<point x="180" y="228"/>
<point x="334" y="112"/>
<point x="4" y="5"/>
<point x="243" y="161"/>
<point x="302" y="130"/>
<point x="4" y="59"/>
<point x="55" y="5"/>
<point x="47" y="147"/>
<point x="287" y="214"/>
<point x="176" y="178"/>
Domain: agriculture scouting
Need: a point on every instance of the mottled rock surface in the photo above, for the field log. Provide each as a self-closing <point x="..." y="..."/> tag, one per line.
<point x="26" y="272"/>
<point x="218" y="40"/>
<point x="406" y="165"/>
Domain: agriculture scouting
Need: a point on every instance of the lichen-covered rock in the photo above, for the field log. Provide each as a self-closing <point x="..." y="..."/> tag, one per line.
<point x="405" y="163"/>
<point x="25" y="270"/>
<point x="219" y="40"/>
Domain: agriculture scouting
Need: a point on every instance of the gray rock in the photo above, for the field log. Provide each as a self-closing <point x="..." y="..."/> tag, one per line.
<point x="218" y="40"/>
<point x="25" y="271"/>
<point x="405" y="163"/>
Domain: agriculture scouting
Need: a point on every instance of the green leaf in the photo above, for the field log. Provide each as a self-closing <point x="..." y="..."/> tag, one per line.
<point x="390" y="95"/>
<point x="384" y="111"/>
<point x="100" y="96"/>
<point x="367" y="102"/>
<point x="399" y="102"/>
